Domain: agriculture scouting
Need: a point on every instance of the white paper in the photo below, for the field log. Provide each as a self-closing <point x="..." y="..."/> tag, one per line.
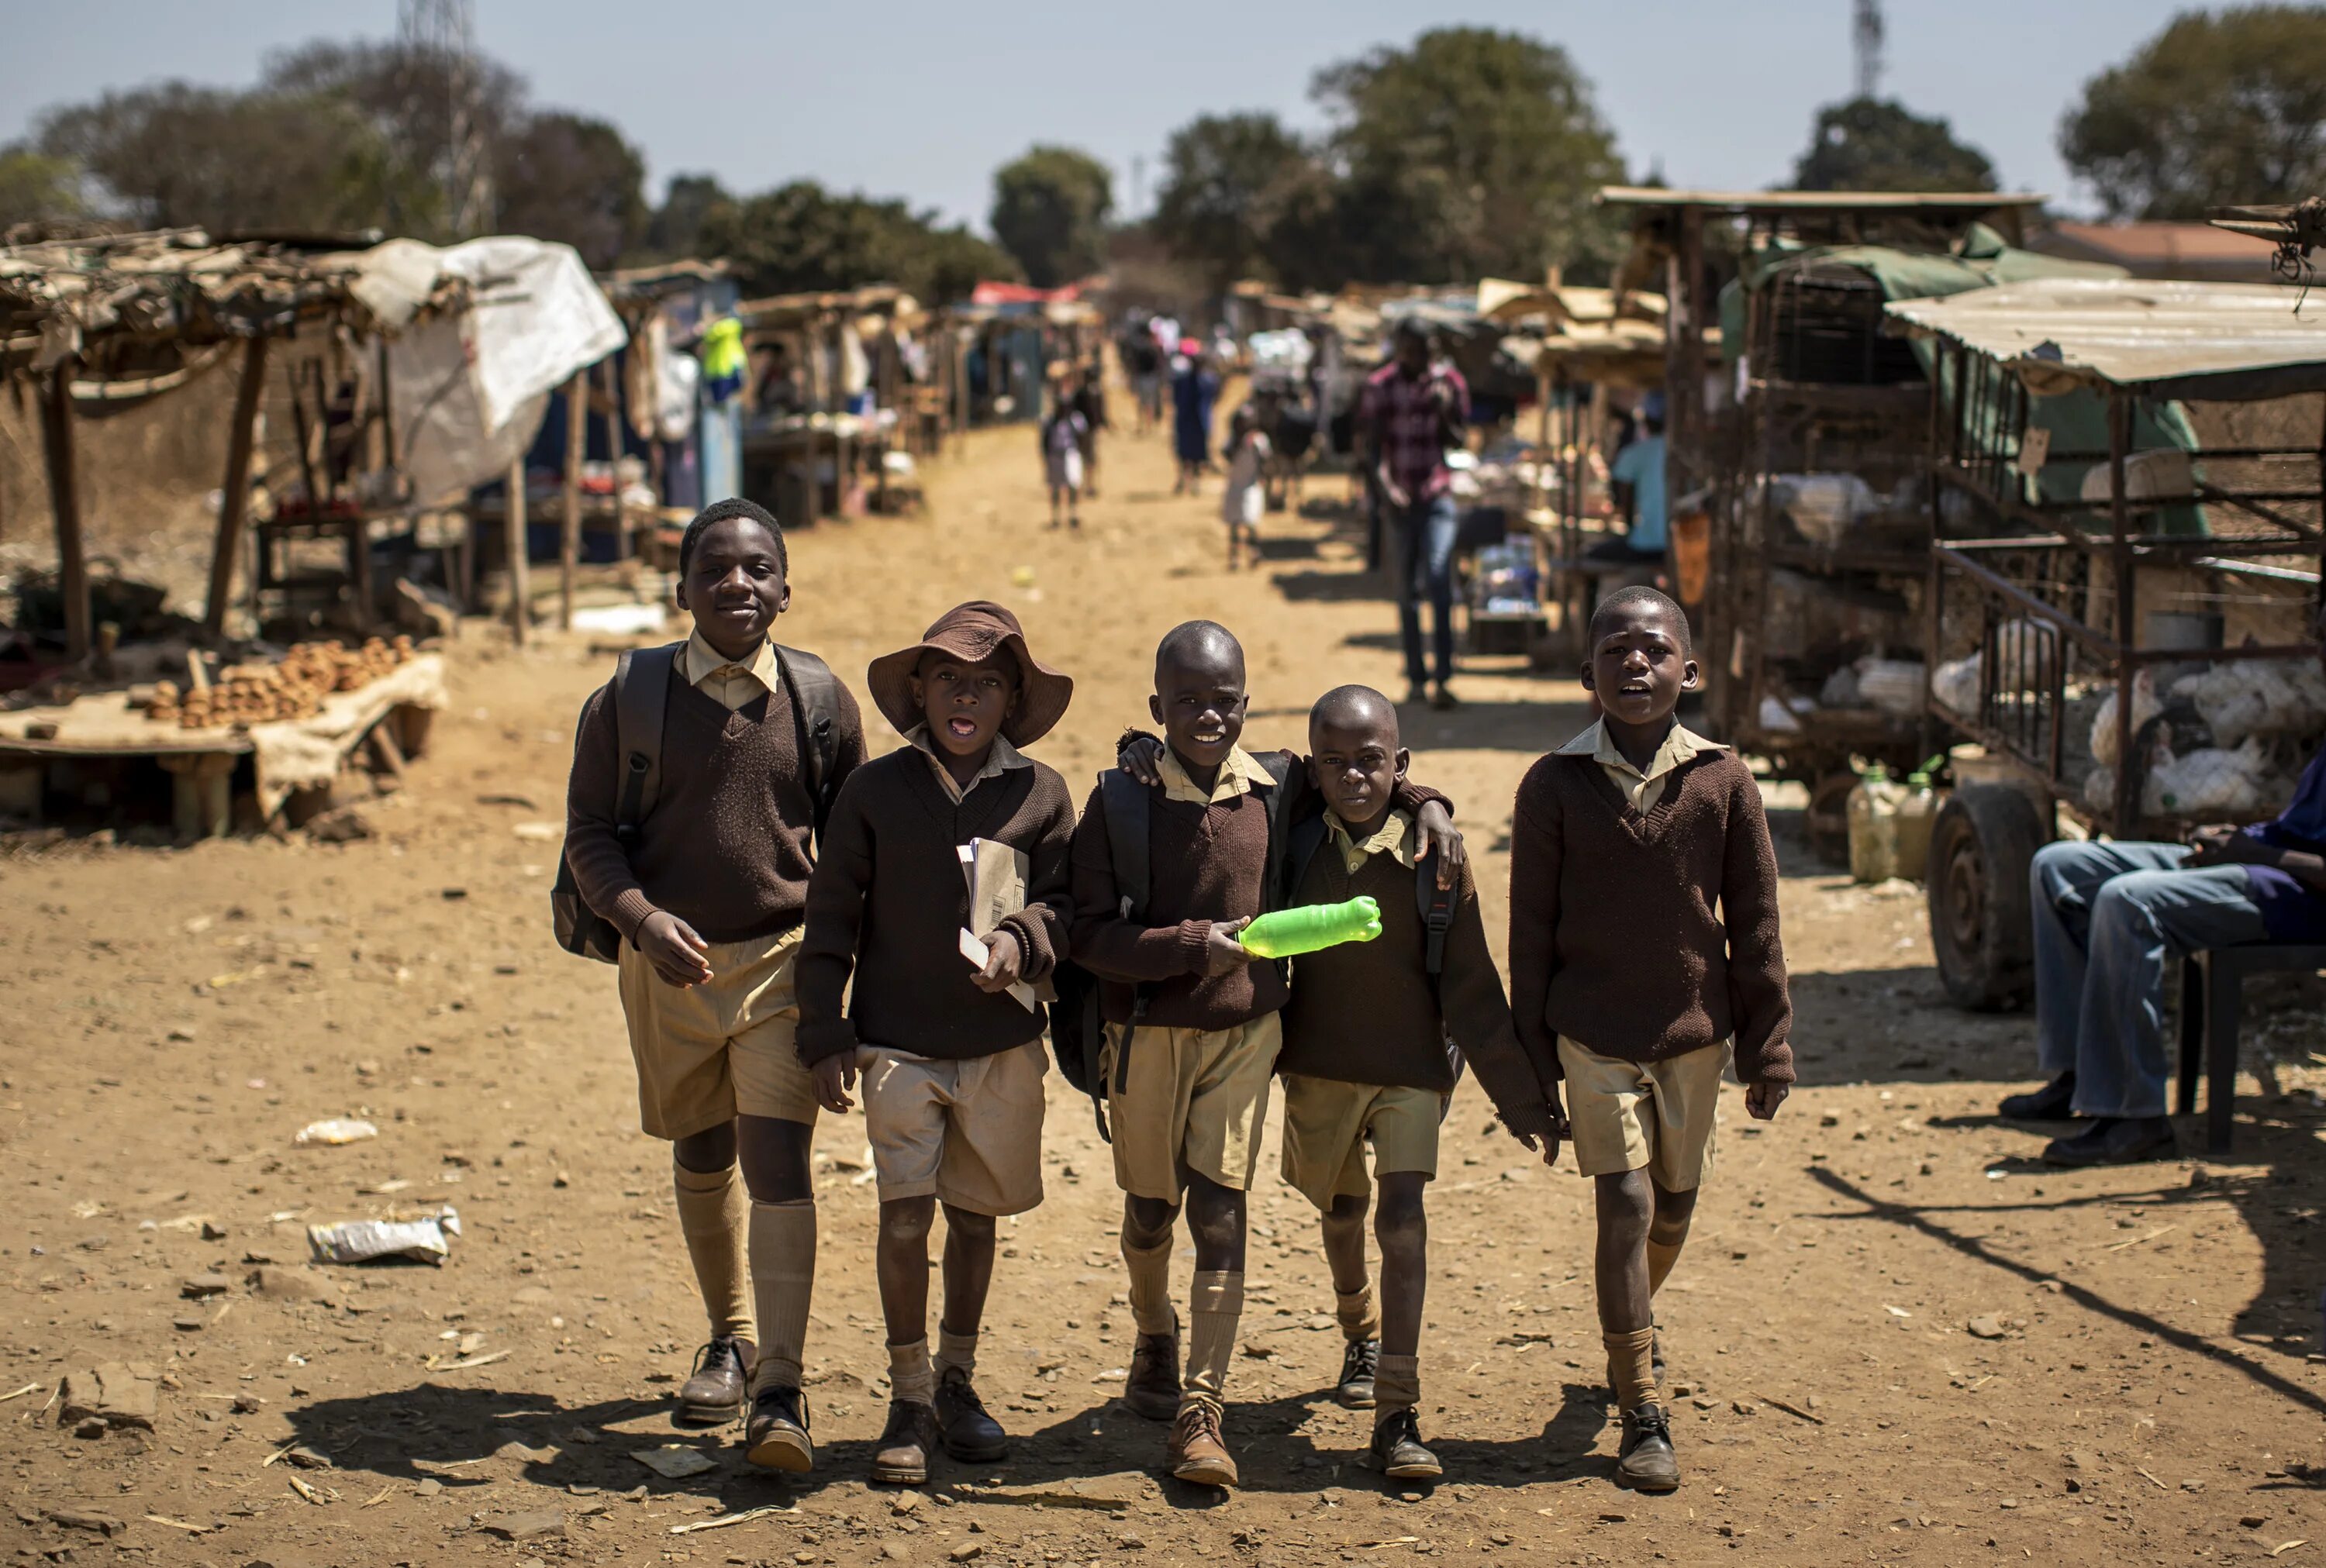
<point x="976" y="952"/>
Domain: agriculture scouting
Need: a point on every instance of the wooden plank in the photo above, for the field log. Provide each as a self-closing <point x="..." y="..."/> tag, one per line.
<point x="519" y="586"/>
<point x="64" y="500"/>
<point x="234" y="498"/>
<point x="614" y="454"/>
<point x="577" y="436"/>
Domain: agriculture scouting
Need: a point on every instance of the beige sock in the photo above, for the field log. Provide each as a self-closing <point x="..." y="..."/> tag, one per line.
<point x="1660" y="1258"/>
<point x="1355" y="1308"/>
<point x="1149" y="1269"/>
<point x="1397" y="1385"/>
<point x="713" y="1216"/>
<point x="783" y="1278"/>
<point x="955" y="1350"/>
<point x="1211" y="1341"/>
<point x="1631" y="1360"/>
<point x="911" y="1378"/>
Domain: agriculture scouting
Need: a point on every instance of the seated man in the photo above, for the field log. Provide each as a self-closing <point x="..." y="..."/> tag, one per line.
<point x="2105" y="918"/>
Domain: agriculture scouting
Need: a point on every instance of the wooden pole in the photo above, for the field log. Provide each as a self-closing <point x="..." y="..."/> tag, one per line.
<point x="614" y="455"/>
<point x="64" y="499"/>
<point x="520" y="590"/>
<point x="577" y="436"/>
<point x="233" y="497"/>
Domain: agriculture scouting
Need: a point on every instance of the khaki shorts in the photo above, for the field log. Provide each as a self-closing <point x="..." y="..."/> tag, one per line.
<point x="1193" y="1104"/>
<point x="709" y="1053"/>
<point x="969" y="1132"/>
<point x="1327" y="1124"/>
<point x="1656" y="1115"/>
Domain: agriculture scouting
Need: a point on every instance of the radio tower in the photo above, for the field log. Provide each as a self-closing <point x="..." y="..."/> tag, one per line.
<point x="443" y="31"/>
<point x="1865" y="40"/>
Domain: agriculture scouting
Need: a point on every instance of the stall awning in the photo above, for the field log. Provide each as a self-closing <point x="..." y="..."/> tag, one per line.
<point x="2160" y="339"/>
<point x="1968" y="202"/>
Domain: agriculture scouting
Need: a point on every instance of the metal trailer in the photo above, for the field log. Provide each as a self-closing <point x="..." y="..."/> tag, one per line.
<point x="2134" y="676"/>
<point x="1819" y="388"/>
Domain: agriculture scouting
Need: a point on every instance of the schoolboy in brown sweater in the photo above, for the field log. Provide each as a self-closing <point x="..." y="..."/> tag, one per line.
<point x="1186" y="1099"/>
<point x="1368" y="1057"/>
<point x="1644" y="947"/>
<point x="951" y="1053"/>
<point x="708" y="897"/>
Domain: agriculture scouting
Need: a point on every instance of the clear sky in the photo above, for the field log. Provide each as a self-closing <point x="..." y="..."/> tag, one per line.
<point x="922" y="98"/>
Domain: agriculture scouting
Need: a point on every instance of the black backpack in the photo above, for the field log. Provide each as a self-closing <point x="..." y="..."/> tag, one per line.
<point x="641" y="692"/>
<point x="1077" y="1025"/>
<point x="1435" y="904"/>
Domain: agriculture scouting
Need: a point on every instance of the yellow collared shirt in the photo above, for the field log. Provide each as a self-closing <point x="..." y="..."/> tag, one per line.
<point x="1000" y="758"/>
<point x="721" y="679"/>
<point x="1641" y="789"/>
<point x="1238" y="774"/>
<point x="1394" y="838"/>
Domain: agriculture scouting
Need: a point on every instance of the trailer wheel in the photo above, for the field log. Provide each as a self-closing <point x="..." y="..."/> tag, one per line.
<point x="1981" y="928"/>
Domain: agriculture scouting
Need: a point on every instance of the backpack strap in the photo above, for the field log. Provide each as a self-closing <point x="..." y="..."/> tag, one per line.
<point x="1437" y="906"/>
<point x="1275" y="890"/>
<point x="1306" y="838"/>
<point x="641" y="695"/>
<point x="814" y="693"/>
<point x="1125" y="803"/>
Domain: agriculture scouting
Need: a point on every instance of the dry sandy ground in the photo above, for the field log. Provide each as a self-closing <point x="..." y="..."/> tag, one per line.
<point x="1894" y="1337"/>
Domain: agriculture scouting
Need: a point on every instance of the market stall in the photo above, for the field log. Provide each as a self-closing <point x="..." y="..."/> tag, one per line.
<point x="830" y="411"/>
<point x="2122" y="627"/>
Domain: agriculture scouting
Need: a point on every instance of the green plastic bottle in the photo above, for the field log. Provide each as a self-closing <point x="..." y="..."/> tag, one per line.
<point x="1311" y="926"/>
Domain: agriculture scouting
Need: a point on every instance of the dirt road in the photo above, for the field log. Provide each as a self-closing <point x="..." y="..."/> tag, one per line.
<point x="1895" y="1336"/>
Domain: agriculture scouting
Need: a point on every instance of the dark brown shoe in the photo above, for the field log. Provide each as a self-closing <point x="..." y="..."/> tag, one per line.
<point x="1199" y="1451"/>
<point x="1152" y="1389"/>
<point x="970" y="1433"/>
<point x="777" y="1438"/>
<point x="901" y="1458"/>
<point x="714" y="1394"/>
<point x="1646" y="1462"/>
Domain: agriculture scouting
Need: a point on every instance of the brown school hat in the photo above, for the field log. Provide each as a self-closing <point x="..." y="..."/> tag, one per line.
<point x="972" y="632"/>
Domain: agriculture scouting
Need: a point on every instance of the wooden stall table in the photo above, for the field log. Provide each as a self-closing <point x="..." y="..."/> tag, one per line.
<point x="286" y="755"/>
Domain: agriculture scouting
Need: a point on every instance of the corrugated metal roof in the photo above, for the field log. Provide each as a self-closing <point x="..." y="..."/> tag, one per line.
<point x="1820" y="201"/>
<point x="2228" y="341"/>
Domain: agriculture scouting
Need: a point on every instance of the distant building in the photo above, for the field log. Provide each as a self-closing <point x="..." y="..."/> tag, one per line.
<point x="2195" y="251"/>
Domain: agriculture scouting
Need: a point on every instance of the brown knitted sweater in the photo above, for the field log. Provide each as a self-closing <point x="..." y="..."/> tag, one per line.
<point x="726" y="848"/>
<point x="1643" y="937"/>
<point x="889" y="901"/>
<point x="1366" y="1012"/>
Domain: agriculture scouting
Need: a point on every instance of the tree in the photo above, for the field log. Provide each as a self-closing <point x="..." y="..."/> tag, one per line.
<point x="35" y="188"/>
<point x="1050" y="211"/>
<point x="675" y="232"/>
<point x="1228" y="180"/>
<point x="570" y="178"/>
<point x="801" y="237"/>
<point x="1481" y="151"/>
<point x="1875" y="144"/>
<point x="2217" y="108"/>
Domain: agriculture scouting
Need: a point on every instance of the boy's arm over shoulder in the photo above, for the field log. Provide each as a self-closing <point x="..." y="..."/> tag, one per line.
<point x="833" y="922"/>
<point x="1478" y="1017"/>
<point x="1759" y="1005"/>
<point x="602" y="867"/>
<point x="1105" y="944"/>
<point x="1537" y="850"/>
<point x="1042" y="927"/>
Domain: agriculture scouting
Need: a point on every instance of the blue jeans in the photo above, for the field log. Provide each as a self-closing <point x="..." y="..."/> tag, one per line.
<point x="1425" y="565"/>
<point x="2106" y="917"/>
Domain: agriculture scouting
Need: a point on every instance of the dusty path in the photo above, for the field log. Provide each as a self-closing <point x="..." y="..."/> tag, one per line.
<point x="1893" y="1336"/>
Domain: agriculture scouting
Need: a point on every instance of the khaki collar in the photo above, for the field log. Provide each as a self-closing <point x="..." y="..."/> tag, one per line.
<point x="699" y="661"/>
<point x="1680" y="745"/>
<point x="1393" y="838"/>
<point x="999" y="760"/>
<point x="1239" y="774"/>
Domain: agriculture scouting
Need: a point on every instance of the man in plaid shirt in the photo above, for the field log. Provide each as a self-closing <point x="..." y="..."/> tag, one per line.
<point x="1412" y="412"/>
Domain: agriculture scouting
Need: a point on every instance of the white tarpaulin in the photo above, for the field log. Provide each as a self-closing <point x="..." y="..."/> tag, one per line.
<point x="469" y="389"/>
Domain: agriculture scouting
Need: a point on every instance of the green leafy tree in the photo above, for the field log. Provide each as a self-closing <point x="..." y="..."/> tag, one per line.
<point x="801" y="237"/>
<point x="1475" y="152"/>
<point x="1875" y="144"/>
<point x="1229" y="182"/>
<point x="675" y="232"/>
<point x="2220" y="107"/>
<point x="35" y="188"/>
<point x="1050" y="211"/>
<point x="570" y="178"/>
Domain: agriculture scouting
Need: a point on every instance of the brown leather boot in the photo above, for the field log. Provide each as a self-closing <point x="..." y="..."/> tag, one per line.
<point x="901" y="1457"/>
<point x="1200" y="1454"/>
<point x="777" y="1437"/>
<point x="1152" y="1389"/>
<point x="713" y="1393"/>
